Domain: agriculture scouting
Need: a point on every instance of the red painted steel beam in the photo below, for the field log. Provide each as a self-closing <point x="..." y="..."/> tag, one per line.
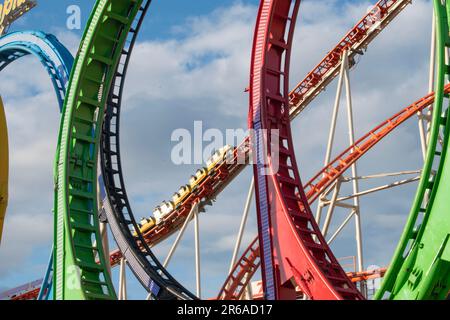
<point x="322" y="180"/>
<point x="291" y="244"/>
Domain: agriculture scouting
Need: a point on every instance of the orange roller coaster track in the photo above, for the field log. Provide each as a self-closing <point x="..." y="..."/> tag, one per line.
<point x="355" y="41"/>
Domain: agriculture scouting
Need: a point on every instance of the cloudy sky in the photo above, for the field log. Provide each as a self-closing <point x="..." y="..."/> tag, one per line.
<point x="192" y="64"/>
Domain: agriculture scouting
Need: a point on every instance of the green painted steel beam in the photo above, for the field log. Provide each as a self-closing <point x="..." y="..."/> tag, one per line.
<point x="420" y="268"/>
<point x="78" y="243"/>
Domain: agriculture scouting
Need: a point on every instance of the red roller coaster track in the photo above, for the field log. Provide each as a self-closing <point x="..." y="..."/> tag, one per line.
<point x="291" y="244"/>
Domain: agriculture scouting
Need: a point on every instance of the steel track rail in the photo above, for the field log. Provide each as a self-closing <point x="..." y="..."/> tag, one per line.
<point x="292" y="246"/>
<point x="78" y="243"/>
<point x="329" y="174"/>
<point x="24" y="292"/>
<point x="144" y="264"/>
<point x="420" y="267"/>
<point x="243" y="271"/>
<point x="357" y="39"/>
<point x="353" y="276"/>
<point x="355" y="42"/>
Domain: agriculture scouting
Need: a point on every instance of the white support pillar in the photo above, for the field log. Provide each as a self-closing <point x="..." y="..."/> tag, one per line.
<point x="122" y="280"/>
<point x="197" y="256"/>
<point x="105" y="242"/>
<point x="355" y="183"/>
<point x="194" y="211"/>
<point x="243" y="223"/>
<point x="103" y="230"/>
<point x="424" y="116"/>
<point x="344" y="80"/>
<point x="331" y="208"/>
<point x="332" y="132"/>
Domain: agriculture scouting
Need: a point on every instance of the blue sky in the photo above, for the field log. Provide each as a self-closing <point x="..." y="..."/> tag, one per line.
<point x="191" y="63"/>
<point x="51" y="14"/>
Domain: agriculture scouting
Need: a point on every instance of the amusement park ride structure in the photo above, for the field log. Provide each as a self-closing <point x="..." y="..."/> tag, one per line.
<point x="292" y="249"/>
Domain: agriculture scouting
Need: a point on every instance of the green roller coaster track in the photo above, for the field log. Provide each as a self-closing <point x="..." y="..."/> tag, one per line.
<point x="420" y="268"/>
<point x="77" y="238"/>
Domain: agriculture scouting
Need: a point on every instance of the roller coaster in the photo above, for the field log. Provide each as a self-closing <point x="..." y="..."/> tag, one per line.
<point x="292" y="249"/>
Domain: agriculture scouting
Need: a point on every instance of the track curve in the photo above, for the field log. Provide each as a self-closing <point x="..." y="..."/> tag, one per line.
<point x="58" y="62"/>
<point x="313" y="187"/>
<point x="420" y="267"/>
<point x="292" y="246"/>
<point x="144" y="264"/>
<point x="53" y="55"/>
<point x="78" y="243"/>
<point x="388" y="9"/>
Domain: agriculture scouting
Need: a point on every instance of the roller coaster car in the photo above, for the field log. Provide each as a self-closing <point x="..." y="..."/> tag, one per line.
<point x="146" y="224"/>
<point x="163" y="210"/>
<point x="196" y="179"/>
<point x="219" y="156"/>
<point x="182" y="194"/>
<point x="157" y="214"/>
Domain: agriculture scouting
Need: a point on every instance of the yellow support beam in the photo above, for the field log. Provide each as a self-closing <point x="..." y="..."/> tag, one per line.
<point x="11" y="10"/>
<point x="4" y="166"/>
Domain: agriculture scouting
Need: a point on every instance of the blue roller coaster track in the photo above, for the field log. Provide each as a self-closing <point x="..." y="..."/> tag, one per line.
<point x="58" y="62"/>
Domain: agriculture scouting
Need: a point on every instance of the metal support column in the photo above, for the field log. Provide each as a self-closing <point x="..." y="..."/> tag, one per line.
<point x="332" y="131"/>
<point x="122" y="280"/>
<point x="243" y="223"/>
<point x="351" y="135"/>
<point x="197" y="255"/>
